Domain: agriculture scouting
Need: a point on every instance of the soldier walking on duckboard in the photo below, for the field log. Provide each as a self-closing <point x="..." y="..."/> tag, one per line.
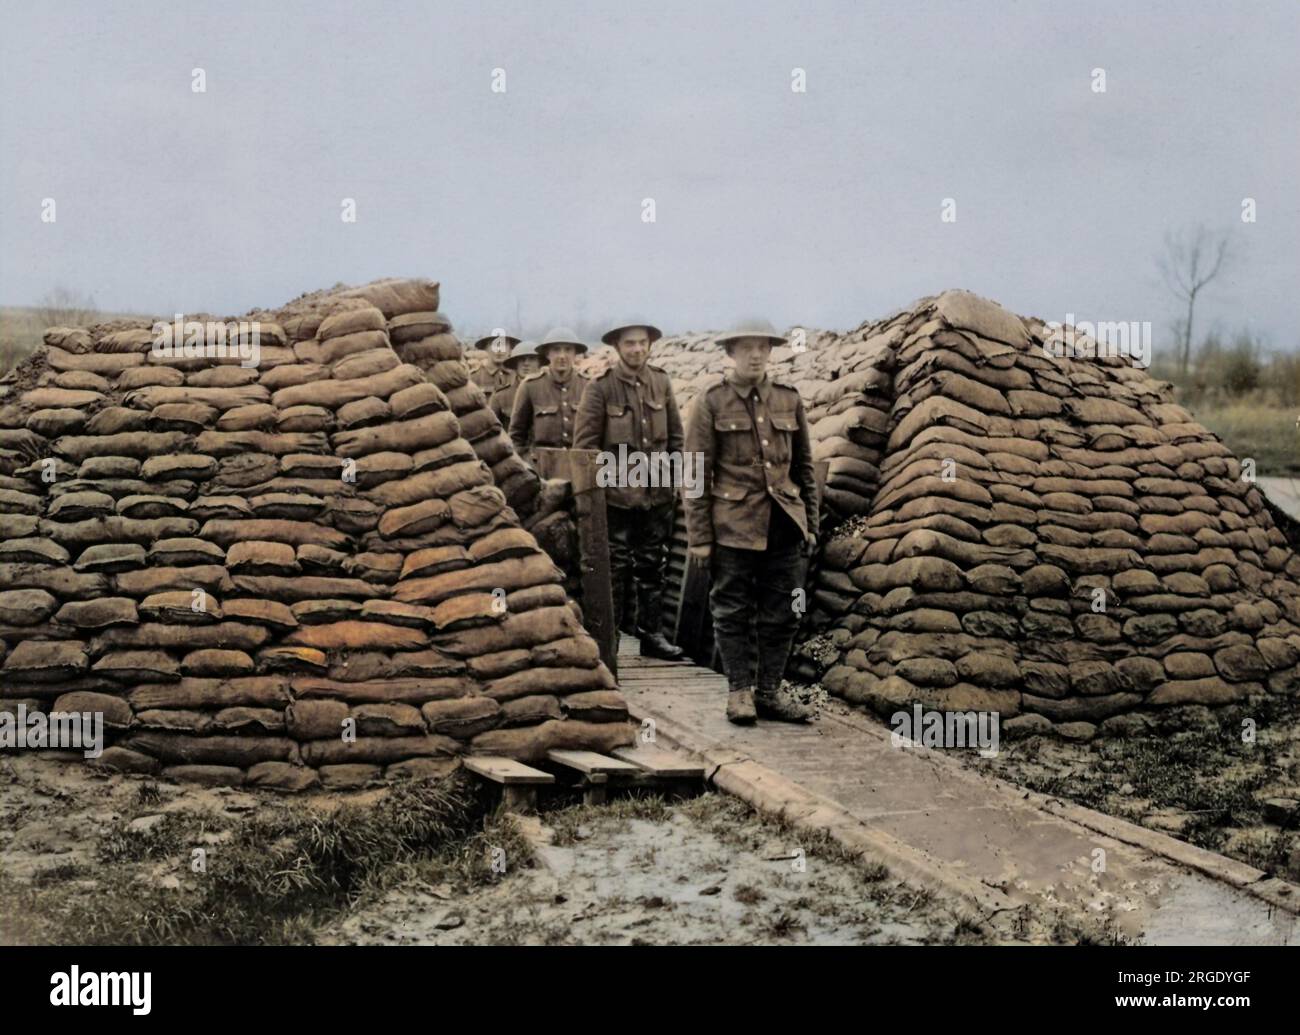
<point x="632" y="405"/>
<point x="755" y="523"/>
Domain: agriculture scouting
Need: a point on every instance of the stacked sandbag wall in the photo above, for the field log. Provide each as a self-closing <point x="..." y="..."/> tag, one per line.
<point x="1021" y="525"/>
<point x="292" y="575"/>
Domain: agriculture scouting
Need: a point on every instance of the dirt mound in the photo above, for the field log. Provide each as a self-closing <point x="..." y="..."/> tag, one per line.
<point x="306" y="570"/>
<point x="1021" y="525"/>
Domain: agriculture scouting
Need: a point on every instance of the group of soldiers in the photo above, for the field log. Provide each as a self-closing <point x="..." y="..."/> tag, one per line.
<point x="754" y="525"/>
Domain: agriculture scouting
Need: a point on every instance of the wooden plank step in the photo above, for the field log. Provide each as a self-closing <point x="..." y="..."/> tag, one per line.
<point x="644" y="677"/>
<point x="660" y="762"/>
<point x="591" y="762"/>
<point x="505" y="770"/>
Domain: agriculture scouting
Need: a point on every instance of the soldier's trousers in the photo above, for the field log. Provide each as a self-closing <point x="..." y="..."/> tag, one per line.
<point x="753" y="604"/>
<point x="638" y="552"/>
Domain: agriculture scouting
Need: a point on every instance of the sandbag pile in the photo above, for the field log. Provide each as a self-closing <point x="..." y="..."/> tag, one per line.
<point x="1014" y="528"/>
<point x="305" y="573"/>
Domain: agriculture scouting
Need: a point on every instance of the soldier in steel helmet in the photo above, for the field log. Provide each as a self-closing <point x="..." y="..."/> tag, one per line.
<point x="756" y="522"/>
<point x="631" y="405"/>
<point x="545" y="408"/>
<point x="492" y="374"/>
<point x="523" y="361"/>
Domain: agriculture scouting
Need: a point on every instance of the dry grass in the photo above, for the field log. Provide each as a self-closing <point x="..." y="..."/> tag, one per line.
<point x="1266" y="433"/>
<point x="20" y="333"/>
<point x="272" y="878"/>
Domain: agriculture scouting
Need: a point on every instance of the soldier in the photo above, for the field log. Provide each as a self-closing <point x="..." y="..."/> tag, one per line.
<point x="524" y="362"/>
<point x="546" y="404"/>
<point x="755" y="523"/>
<point x="632" y="405"/>
<point x="492" y="375"/>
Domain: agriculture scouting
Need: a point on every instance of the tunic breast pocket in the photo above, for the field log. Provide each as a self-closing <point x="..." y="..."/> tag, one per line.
<point x="546" y="426"/>
<point x="618" y="424"/>
<point x="784" y="426"/>
<point x="658" y="423"/>
<point x="735" y="437"/>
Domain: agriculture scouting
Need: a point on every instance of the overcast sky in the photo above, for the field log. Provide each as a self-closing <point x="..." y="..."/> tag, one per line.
<point x="821" y="208"/>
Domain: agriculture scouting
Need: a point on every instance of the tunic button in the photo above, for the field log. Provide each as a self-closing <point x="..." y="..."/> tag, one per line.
<point x="765" y="442"/>
<point x="769" y="463"/>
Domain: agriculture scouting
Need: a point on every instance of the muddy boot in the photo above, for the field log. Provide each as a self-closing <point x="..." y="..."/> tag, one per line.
<point x="654" y="644"/>
<point x="740" y="707"/>
<point x="776" y="704"/>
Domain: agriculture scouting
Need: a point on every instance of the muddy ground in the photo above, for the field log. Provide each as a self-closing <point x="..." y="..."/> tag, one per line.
<point x="1228" y="780"/>
<point x="88" y="858"/>
<point x="707" y="871"/>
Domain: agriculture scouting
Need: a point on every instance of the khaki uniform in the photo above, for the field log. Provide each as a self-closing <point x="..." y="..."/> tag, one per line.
<point x="635" y="409"/>
<point x="502" y="403"/>
<point x="756" y="451"/>
<point x="494" y="380"/>
<point x="758" y="506"/>
<point x="545" y="411"/>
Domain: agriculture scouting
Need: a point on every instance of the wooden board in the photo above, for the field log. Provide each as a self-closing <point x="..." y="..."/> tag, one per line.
<point x="591" y="762"/>
<point x="660" y="762"/>
<point x="505" y="770"/>
<point x="578" y="467"/>
<point x="694" y="630"/>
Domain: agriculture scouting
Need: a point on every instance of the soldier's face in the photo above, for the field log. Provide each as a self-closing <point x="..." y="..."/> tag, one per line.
<point x="528" y="365"/>
<point x="634" y="347"/>
<point x="497" y="351"/>
<point x="751" y="356"/>
<point x="560" y="358"/>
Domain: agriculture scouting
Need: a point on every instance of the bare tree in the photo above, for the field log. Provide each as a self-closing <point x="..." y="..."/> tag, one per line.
<point x="64" y="307"/>
<point x="1192" y="258"/>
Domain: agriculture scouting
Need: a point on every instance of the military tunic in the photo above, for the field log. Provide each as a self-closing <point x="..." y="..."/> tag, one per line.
<point x="635" y="409"/>
<point x="757" y="509"/>
<point x="502" y="403"/>
<point x="493" y="380"/>
<point x="756" y="452"/>
<point x="545" y="411"/>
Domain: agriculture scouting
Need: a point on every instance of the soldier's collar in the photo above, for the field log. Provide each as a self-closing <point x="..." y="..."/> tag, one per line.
<point x="551" y="374"/>
<point x="628" y="374"/>
<point x="763" y="386"/>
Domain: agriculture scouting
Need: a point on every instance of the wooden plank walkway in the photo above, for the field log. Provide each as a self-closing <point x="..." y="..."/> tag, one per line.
<point x="937" y="822"/>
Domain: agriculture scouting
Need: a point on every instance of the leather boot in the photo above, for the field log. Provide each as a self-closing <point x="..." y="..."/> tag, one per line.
<point x="629" y="610"/>
<point x="625" y="609"/>
<point x="648" y="612"/>
<point x="777" y="704"/>
<point x="740" y="707"/>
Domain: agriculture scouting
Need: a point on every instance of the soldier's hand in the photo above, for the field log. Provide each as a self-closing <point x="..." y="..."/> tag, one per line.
<point x="811" y="540"/>
<point x="701" y="553"/>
